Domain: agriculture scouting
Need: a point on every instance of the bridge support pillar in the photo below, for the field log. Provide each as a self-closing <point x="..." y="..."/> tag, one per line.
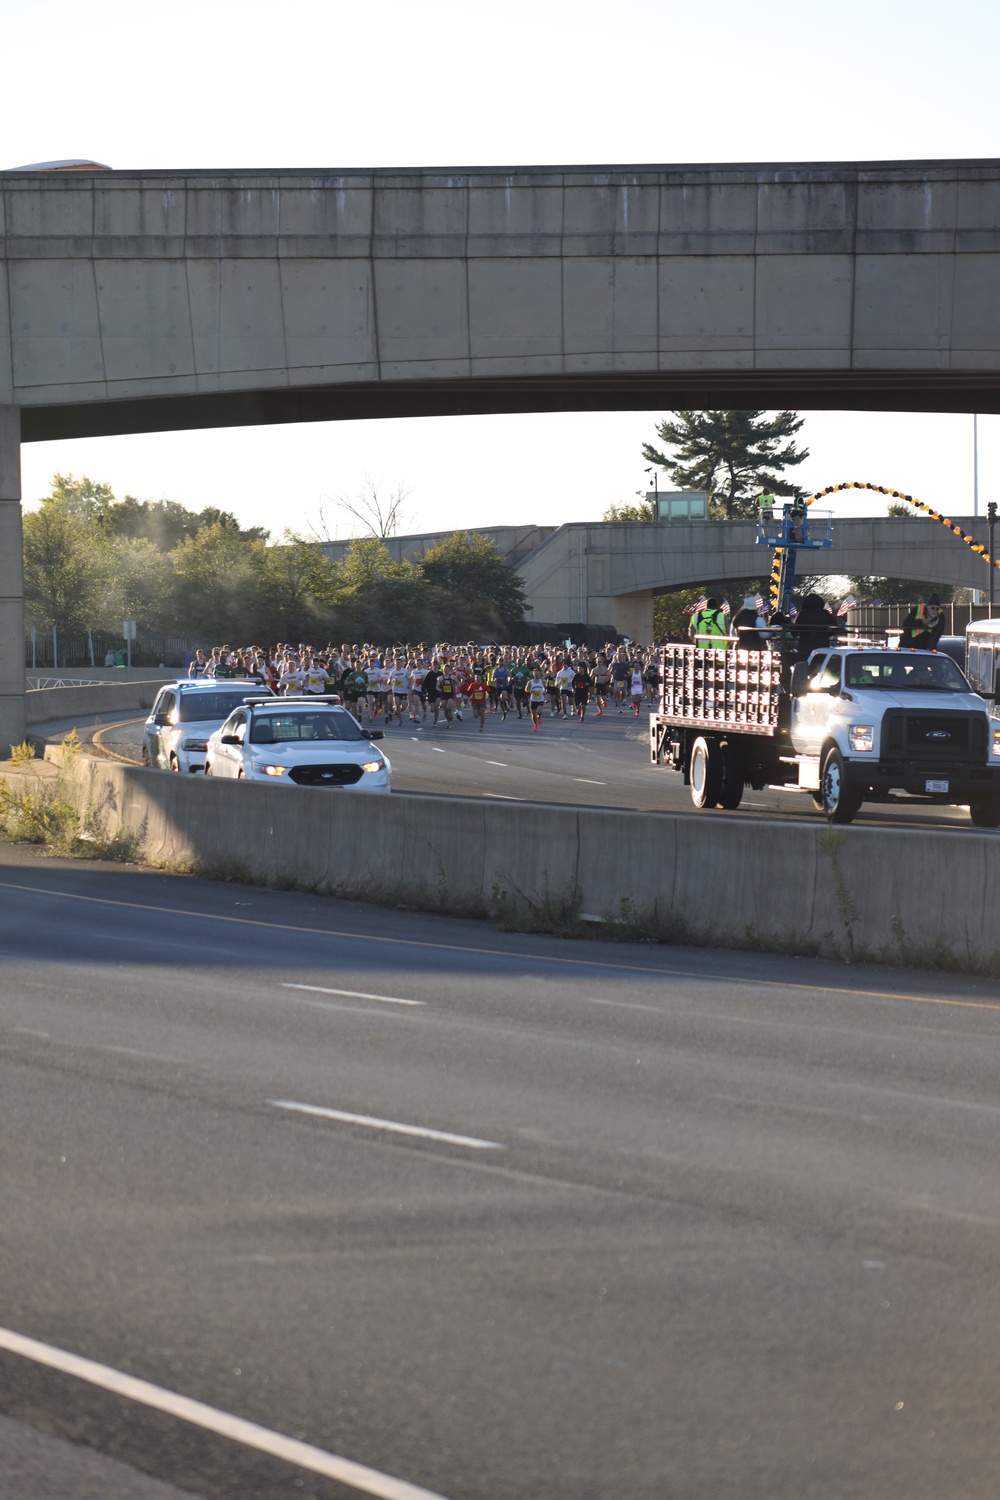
<point x="12" y="721"/>
<point x="633" y="616"/>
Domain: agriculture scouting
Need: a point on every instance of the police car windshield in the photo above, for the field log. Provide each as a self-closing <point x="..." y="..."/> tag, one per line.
<point x="199" y="707"/>
<point x="904" y="671"/>
<point x="279" y="728"/>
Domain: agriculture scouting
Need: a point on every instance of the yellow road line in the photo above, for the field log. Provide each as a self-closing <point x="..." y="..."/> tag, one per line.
<point x="98" y="739"/>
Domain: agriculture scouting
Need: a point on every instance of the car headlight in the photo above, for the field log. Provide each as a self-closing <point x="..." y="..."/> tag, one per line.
<point x="373" y="765"/>
<point x="272" y="770"/>
<point x="862" y="736"/>
<point x="195" y="745"/>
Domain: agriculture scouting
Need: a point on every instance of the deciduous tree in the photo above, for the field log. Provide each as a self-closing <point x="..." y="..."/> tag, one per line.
<point x="475" y="592"/>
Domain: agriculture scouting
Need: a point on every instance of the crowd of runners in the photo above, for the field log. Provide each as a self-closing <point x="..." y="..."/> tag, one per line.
<point x="424" y="686"/>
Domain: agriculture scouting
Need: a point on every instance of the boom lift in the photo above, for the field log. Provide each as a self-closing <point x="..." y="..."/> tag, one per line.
<point x="793" y="530"/>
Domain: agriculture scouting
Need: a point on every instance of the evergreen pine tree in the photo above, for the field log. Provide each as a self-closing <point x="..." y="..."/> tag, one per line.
<point x="732" y="455"/>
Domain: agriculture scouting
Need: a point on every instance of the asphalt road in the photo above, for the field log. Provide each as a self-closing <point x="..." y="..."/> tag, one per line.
<point x="680" y="1224"/>
<point x="600" y="763"/>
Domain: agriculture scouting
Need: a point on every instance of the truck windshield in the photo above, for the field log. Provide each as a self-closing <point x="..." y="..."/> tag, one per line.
<point x="904" y="671"/>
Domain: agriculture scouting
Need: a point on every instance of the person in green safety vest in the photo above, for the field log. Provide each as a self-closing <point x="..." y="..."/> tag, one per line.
<point x="709" y="630"/>
<point x="766" y="503"/>
<point x="923" y="626"/>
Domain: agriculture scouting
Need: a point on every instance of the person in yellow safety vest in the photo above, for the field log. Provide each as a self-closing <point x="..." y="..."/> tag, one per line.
<point x="709" y="630"/>
<point x="923" y="626"/>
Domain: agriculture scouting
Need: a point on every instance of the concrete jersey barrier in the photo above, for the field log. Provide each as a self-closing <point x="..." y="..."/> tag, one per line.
<point x="777" y="885"/>
<point x="51" y="705"/>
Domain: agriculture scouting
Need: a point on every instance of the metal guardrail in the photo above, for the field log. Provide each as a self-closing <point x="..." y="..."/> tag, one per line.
<point x="33" y="683"/>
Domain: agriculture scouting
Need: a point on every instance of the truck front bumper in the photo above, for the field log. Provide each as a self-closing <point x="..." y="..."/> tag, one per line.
<point x="953" y="782"/>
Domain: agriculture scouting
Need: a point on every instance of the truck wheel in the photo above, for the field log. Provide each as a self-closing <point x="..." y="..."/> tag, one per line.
<point x="731" y="794"/>
<point x="985" y="810"/>
<point x="706" y="773"/>
<point x="840" y="803"/>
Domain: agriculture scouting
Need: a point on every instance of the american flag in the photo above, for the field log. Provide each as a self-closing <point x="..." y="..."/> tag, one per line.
<point x="698" y="604"/>
<point x="725" y="608"/>
<point x="846" y="604"/>
<point x="759" y="604"/>
<point x="876" y="604"/>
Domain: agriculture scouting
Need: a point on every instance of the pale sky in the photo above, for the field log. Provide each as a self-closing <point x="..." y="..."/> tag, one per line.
<point x="230" y="84"/>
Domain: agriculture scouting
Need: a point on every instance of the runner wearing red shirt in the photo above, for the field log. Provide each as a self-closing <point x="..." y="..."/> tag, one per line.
<point x="478" y="693"/>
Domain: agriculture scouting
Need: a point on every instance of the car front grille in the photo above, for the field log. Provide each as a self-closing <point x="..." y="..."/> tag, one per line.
<point x="932" y="738"/>
<point x="335" y="775"/>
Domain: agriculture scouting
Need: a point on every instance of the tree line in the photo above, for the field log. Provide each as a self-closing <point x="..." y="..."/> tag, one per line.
<point x="92" y="561"/>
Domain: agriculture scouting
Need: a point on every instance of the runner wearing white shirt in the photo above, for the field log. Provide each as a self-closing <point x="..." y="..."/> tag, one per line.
<point x="399" y="682"/>
<point x="417" y="674"/>
<point x="377" y="681"/>
<point x="635" y="680"/>
<point x="564" y="681"/>
<point x="292" y="678"/>
<point x="536" y="698"/>
<point x="316" y="677"/>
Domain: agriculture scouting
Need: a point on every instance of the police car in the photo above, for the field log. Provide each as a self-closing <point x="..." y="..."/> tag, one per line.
<point x="306" y="741"/>
<point x="175" y="736"/>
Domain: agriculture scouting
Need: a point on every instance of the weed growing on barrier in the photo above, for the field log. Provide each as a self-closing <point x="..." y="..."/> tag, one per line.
<point x="514" y="911"/>
<point x="795" y="944"/>
<point x="559" y="915"/>
<point x="831" y="843"/>
<point x="935" y="956"/>
<point x="37" y="809"/>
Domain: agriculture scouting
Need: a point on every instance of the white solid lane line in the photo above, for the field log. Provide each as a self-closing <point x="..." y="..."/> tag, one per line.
<point x="499" y="797"/>
<point x="391" y="1125"/>
<point x="319" y="989"/>
<point x="237" y="1429"/>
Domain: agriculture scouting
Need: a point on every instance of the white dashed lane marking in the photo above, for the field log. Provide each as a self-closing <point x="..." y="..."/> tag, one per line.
<point x="395" y="1127"/>
<point x="319" y="989"/>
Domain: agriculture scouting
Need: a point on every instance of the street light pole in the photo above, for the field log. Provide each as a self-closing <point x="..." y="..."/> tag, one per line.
<point x="991" y="513"/>
<point x="976" y="593"/>
<point x="656" y="493"/>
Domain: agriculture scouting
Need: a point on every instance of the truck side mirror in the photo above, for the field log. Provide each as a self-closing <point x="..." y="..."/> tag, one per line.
<point x="800" y="679"/>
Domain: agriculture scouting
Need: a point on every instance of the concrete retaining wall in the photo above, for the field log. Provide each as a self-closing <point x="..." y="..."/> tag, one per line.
<point x="52" y="705"/>
<point x="710" y="878"/>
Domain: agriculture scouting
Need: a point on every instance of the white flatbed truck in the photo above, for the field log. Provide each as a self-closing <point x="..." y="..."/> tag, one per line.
<point x="850" y="725"/>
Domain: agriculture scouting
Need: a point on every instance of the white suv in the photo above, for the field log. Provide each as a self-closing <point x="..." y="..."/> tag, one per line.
<point x="185" y="713"/>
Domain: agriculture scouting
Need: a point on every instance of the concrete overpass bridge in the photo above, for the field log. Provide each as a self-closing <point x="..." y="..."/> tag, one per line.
<point x="609" y="572"/>
<point x="145" y="302"/>
<point x="614" y="570"/>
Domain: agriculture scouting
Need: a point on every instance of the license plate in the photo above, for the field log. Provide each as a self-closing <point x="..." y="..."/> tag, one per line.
<point x="935" y="786"/>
